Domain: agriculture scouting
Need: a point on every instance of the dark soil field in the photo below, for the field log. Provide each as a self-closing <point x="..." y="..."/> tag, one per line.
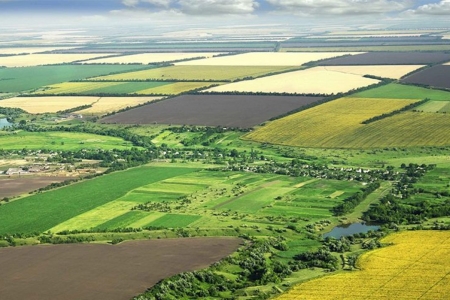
<point x="16" y="185"/>
<point x="212" y="110"/>
<point x="388" y="58"/>
<point x="109" y="272"/>
<point x="437" y="76"/>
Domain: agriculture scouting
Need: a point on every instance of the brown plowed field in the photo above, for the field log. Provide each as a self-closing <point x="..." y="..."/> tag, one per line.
<point x="16" y="186"/>
<point x="388" y="58"/>
<point x="437" y="76"/>
<point x="95" y="271"/>
<point x="212" y="110"/>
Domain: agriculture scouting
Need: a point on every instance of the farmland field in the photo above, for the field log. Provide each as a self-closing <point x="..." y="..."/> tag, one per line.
<point x="77" y="199"/>
<point x="400" y="91"/>
<point x="102" y="88"/>
<point x="315" y="81"/>
<point x="435" y="106"/>
<point x="371" y="48"/>
<point x="59" y="141"/>
<point x="185" y="72"/>
<point x="94" y="269"/>
<point x="22" y="79"/>
<point x="149" y="58"/>
<point x="109" y="104"/>
<point x="212" y="110"/>
<point x="37" y="105"/>
<point x="175" y="88"/>
<point x="264" y="59"/>
<point x="414" y="267"/>
<point x="436" y="76"/>
<point x="389" y="58"/>
<point x="10" y="187"/>
<point x="44" y="59"/>
<point x="328" y="125"/>
<point x="29" y="50"/>
<point x="389" y="71"/>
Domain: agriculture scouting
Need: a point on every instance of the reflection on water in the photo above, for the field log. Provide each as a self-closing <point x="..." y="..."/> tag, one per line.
<point x="350" y="229"/>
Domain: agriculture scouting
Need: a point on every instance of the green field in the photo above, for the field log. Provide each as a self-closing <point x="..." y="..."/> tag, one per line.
<point x="214" y="73"/>
<point x="103" y="88"/>
<point x="400" y="91"/>
<point x="435" y="107"/>
<point x="54" y="140"/>
<point x="176" y="88"/>
<point x="174" y="221"/>
<point x="51" y="208"/>
<point x="28" y="78"/>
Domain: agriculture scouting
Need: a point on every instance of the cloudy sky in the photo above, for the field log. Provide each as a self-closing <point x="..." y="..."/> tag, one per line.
<point x="255" y="9"/>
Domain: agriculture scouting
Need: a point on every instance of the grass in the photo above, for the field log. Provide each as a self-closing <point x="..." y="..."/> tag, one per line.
<point x="415" y="267"/>
<point x="174" y="221"/>
<point x="28" y="78"/>
<point x="54" y="207"/>
<point x="400" y="91"/>
<point x="330" y="125"/>
<point x="54" y="140"/>
<point x="214" y="73"/>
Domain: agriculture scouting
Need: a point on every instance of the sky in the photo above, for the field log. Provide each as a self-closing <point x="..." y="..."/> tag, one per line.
<point x="232" y="10"/>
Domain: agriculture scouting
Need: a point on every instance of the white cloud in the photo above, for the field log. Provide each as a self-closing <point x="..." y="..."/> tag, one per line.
<point x="130" y="3"/>
<point x="441" y="8"/>
<point x="218" y="7"/>
<point x="340" y="7"/>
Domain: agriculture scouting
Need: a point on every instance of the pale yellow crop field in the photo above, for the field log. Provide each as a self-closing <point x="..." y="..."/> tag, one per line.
<point x="76" y="87"/>
<point x="44" y="59"/>
<point x="109" y="104"/>
<point x="37" y="105"/>
<point x="30" y="50"/>
<point x="175" y="88"/>
<point x="329" y="125"/>
<point x="315" y="80"/>
<point x="266" y="59"/>
<point x="416" y="266"/>
<point x="387" y="71"/>
<point x="148" y="58"/>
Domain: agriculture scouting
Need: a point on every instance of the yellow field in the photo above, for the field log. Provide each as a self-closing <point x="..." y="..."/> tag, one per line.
<point x="315" y="80"/>
<point x="44" y="59"/>
<point x="148" y="58"/>
<point x="109" y="104"/>
<point x="265" y="59"/>
<point x="387" y="71"/>
<point x="37" y="105"/>
<point x="330" y="125"/>
<point x="76" y="87"/>
<point x="30" y="50"/>
<point x="416" y="266"/>
<point x="175" y="88"/>
<point x="195" y="73"/>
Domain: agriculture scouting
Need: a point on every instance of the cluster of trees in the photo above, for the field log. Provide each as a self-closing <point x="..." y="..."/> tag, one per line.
<point x="74" y="109"/>
<point x="11" y="113"/>
<point x="351" y="202"/>
<point x="395" y="112"/>
<point x="321" y="258"/>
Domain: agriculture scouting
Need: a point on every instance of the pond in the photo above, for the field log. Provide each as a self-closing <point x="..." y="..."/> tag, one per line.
<point x="4" y="123"/>
<point x="350" y="229"/>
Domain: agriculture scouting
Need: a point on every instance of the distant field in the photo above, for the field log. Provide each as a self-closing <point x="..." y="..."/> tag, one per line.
<point x="436" y="76"/>
<point x="184" y="72"/>
<point x="55" y="140"/>
<point x="264" y="59"/>
<point x="315" y="80"/>
<point x="148" y="58"/>
<point x="400" y="91"/>
<point x="37" y="105"/>
<point x="29" y="50"/>
<point x="389" y="71"/>
<point x="16" y="186"/>
<point x="402" y="48"/>
<point x="77" y="199"/>
<point x="100" y="88"/>
<point x="329" y="125"/>
<point x="22" y="79"/>
<point x="435" y="106"/>
<point x="389" y="58"/>
<point x="414" y="267"/>
<point x="44" y="59"/>
<point x="109" y="104"/>
<point x="175" y="88"/>
<point x="212" y="110"/>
